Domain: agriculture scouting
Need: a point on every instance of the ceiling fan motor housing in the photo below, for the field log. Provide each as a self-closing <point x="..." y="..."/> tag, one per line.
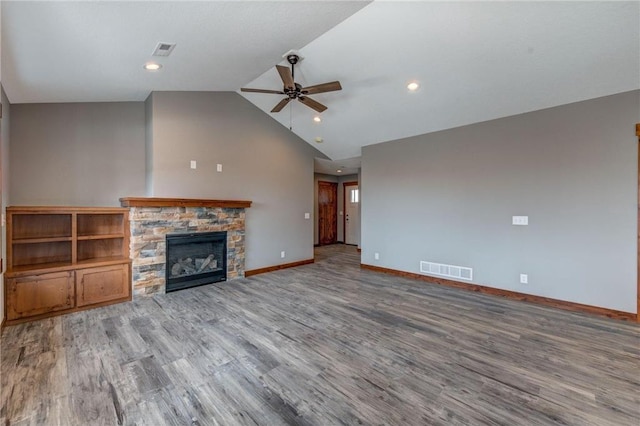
<point x="293" y="93"/>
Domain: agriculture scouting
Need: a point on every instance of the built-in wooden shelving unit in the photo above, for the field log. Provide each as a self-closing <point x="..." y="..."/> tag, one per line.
<point x="61" y="259"/>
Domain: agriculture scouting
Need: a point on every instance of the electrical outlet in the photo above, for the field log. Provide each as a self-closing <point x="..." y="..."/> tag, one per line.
<point x="282" y="254"/>
<point x="524" y="279"/>
<point x="307" y="215"/>
<point x="376" y="256"/>
<point x="219" y="167"/>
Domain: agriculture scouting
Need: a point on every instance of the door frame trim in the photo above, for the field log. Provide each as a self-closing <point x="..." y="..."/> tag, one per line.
<point x="344" y="207"/>
<point x="638" y="229"/>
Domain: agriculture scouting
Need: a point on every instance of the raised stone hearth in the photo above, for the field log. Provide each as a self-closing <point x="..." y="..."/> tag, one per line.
<point x="150" y="222"/>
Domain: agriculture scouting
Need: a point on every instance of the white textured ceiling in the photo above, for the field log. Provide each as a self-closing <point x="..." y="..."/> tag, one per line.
<point x="475" y="61"/>
<point x="61" y="51"/>
<point x="349" y="166"/>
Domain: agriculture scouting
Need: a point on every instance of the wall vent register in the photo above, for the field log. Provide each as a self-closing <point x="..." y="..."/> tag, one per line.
<point x="444" y="270"/>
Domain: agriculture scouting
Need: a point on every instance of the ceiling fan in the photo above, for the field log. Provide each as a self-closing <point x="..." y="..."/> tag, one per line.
<point x="294" y="90"/>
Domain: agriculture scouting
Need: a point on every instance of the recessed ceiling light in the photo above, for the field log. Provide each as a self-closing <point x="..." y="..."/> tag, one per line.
<point x="339" y="170"/>
<point x="317" y="119"/>
<point x="152" y="66"/>
<point x="413" y="86"/>
<point x="319" y="140"/>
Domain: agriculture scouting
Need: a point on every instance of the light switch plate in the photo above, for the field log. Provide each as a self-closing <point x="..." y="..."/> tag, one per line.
<point x="520" y="220"/>
<point x="307" y="216"/>
<point x="193" y="164"/>
<point x="219" y="167"/>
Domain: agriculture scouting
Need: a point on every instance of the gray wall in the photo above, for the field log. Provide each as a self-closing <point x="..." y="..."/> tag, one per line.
<point x="4" y="161"/>
<point x="77" y="154"/>
<point x="262" y="162"/>
<point x="449" y="196"/>
<point x="148" y="145"/>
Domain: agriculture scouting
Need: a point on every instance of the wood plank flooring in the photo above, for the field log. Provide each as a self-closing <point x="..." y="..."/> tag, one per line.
<point x="321" y="344"/>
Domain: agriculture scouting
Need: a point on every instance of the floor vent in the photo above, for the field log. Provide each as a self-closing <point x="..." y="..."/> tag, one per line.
<point x="451" y="271"/>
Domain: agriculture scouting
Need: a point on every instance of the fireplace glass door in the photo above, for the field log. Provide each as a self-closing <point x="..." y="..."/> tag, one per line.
<point x="195" y="259"/>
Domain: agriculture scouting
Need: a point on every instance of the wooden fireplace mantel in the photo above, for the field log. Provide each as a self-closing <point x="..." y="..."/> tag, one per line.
<point x="182" y="202"/>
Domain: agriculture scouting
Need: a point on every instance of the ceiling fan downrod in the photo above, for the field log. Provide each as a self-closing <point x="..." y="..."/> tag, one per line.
<point x="293" y="59"/>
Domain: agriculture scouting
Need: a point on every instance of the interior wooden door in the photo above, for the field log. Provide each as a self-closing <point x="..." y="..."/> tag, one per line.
<point x="327" y="212"/>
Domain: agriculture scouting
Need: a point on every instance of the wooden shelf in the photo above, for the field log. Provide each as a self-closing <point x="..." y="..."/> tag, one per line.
<point x="95" y="224"/>
<point x="45" y="225"/>
<point x="45" y="268"/>
<point x="56" y="255"/>
<point x="100" y="248"/>
<point x="38" y="268"/>
<point x="38" y="253"/>
<point x="103" y="261"/>
<point x="40" y="210"/>
<point x="53" y="235"/>
<point x="99" y="237"/>
<point x="41" y="240"/>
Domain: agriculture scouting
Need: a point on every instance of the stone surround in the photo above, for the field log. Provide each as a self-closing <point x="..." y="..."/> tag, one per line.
<point x="149" y="226"/>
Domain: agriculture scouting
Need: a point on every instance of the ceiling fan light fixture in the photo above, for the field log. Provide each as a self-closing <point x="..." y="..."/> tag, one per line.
<point x="339" y="171"/>
<point x="152" y="66"/>
<point x="319" y="140"/>
<point x="413" y="86"/>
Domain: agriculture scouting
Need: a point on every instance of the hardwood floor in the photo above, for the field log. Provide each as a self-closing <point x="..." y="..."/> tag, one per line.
<point x="321" y="344"/>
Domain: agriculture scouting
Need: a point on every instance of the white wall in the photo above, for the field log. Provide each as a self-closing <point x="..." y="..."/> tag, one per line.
<point x="449" y="197"/>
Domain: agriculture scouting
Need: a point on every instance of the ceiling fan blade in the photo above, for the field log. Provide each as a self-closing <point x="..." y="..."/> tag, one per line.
<point x="281" y="105"/>
<point x="285" y="75"/>
<point x="322" y="88"/>
<point x="277" y="92"/>
<point x="312" y="104"/>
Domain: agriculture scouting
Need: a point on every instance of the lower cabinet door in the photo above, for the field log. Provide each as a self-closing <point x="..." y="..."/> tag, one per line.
<point x="97" y="285"/>
<point x="39" y="294"/>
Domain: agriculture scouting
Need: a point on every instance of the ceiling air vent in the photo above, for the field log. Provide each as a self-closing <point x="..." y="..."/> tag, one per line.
<point x="163" y="49"/>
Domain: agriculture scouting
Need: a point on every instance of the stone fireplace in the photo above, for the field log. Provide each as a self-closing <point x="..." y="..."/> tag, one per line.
<point x="151" y="219"/>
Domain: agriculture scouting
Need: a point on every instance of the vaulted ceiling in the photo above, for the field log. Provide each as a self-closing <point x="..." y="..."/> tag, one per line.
<point x="474" y="61"/>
